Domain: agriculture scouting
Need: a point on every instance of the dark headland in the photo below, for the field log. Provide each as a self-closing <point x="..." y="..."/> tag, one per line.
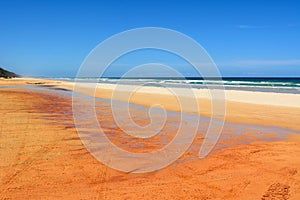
<point x="7" y="74"/>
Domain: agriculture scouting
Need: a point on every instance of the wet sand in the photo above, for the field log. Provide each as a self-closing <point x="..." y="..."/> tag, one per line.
<point x="42" y="156"/>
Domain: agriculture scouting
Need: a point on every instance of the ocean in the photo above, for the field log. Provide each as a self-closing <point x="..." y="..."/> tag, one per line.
<point x="261" y="84"/>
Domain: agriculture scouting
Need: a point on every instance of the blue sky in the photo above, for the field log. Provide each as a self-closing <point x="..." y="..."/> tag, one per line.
<point x="245" y="38"/>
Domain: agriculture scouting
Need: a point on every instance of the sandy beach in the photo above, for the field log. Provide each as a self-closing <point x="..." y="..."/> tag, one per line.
<point x="261" y="108"/>
<point x="43" y="157"/>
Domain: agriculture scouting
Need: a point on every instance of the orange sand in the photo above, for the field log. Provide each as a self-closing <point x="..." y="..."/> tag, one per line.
<point x="43" y="158"/>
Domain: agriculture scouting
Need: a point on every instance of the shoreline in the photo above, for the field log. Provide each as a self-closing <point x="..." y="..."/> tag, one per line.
<point x="241" y="96"/>
<point x="241" y="106"/>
